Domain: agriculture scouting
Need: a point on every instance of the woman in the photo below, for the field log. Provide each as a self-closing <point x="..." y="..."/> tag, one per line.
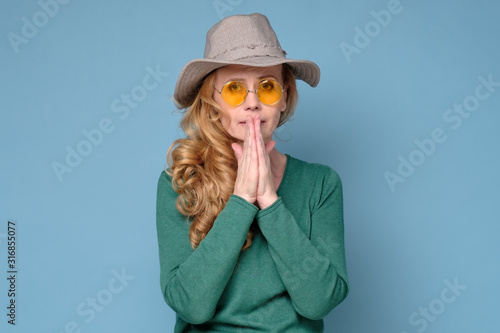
<point x="250" y="239"/>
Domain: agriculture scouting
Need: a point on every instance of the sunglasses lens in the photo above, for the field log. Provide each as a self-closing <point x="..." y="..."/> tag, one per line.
<point x="234" y="93"/>
<point x="269" y="92"/>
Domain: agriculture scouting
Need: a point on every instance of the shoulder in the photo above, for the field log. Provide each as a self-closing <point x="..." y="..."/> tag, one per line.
<point x="165" y="177"/>
<point x="310" y="186"/>
<point x="314" y="172"/>
<point x="165" y="188"/>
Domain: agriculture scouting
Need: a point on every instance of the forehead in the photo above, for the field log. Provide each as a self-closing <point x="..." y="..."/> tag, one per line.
<point x="247" y="72"/>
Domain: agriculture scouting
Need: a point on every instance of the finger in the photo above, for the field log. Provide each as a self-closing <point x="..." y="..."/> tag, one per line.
<point x="266" y="185"/>
<point x="262" y="153"/>
<point x="260" y="141"/>
<point x="253" y="133"/>
<point x="247" y="175"/>
<point x="248" y="133"/>
<point x="266" y="193"/>
<point x="248" y="163"/>
<point x="258" y="134"/>
<point x="256" y="122"/>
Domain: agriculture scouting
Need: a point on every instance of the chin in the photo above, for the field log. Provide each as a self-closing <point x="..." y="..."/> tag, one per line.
<point x="237" y="136"/>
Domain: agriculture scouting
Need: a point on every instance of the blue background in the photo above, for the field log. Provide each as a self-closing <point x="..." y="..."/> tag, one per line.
<point x="406" y="243"/>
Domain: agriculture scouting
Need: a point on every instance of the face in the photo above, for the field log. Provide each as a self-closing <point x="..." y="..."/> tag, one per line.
<point x="233" y="118"/>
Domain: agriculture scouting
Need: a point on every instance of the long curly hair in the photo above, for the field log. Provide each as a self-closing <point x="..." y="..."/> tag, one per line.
<point x="203" y="165"/>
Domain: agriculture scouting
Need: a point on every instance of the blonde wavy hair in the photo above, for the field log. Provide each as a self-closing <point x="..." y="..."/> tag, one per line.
<point x="203" y="165"/>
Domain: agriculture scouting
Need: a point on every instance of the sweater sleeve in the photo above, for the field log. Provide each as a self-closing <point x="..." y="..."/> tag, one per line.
<point x="313" y="268"/>
<point x="192" y="281"/>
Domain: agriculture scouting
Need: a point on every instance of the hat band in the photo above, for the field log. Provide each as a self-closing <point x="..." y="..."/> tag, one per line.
<point x="249" y="51"/>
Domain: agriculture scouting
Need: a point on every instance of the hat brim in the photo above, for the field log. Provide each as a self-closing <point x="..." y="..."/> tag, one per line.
<point x="194" y="71"/>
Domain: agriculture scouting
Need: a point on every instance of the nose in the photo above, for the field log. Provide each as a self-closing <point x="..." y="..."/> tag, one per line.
<point x="252" y="102"/>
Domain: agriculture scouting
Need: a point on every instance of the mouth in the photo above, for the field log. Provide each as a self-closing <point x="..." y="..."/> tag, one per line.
<point x="244" y="122"/>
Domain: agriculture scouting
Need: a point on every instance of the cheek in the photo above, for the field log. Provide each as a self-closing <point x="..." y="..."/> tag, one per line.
<point x="225" y="120"/>
<point x="277" y="116"/>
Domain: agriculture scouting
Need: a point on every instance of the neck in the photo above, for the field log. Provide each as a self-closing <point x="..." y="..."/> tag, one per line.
<point x="278" y="163"/>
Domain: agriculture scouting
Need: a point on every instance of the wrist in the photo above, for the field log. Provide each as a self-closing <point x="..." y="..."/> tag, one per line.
<point x="245" y="197"/>
<point x="267" y="201"/>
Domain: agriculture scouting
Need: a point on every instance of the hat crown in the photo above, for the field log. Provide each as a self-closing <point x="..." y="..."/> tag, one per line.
<point x="242" y="36"/>
<point x="246" y="40"/>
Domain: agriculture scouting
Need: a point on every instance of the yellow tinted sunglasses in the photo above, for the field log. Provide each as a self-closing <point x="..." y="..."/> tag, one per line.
<point x="234" y="93"/>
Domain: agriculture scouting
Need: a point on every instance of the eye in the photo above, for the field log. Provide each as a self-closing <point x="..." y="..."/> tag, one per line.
<point x="235" y="86"/>
<point x="267" y="85"/>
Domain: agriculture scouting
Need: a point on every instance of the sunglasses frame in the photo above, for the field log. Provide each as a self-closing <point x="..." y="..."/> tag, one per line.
<point x="251" y="90"/>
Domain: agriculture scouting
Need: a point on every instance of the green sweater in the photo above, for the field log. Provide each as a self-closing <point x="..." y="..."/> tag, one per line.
<point x="293" y="274"/>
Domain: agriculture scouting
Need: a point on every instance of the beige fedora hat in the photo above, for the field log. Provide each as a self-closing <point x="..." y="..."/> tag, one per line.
<point x="239" y="40"/>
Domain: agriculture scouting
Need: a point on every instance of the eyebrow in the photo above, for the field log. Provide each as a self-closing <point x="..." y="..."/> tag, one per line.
<point x="260" y="78"/>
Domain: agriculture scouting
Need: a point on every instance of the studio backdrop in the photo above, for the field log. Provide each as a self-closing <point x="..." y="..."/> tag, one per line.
<point x="407" y="112"/>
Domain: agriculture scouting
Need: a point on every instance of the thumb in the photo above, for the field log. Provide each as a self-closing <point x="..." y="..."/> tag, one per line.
<point x="270" y="146"/>
<point x="238" y="150"/>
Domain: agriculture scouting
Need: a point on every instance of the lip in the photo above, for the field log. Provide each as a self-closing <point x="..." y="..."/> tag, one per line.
<point x="244" y="122"/>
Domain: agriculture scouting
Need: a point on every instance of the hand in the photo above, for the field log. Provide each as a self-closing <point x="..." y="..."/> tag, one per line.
<point x="254" y="180"/>
<point x="266" y="193"/>
<point x="247" y="176"/>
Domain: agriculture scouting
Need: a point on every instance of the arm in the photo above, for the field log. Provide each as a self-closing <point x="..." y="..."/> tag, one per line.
<point x="192" y="281"/>
<point x="312" y="269"/>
